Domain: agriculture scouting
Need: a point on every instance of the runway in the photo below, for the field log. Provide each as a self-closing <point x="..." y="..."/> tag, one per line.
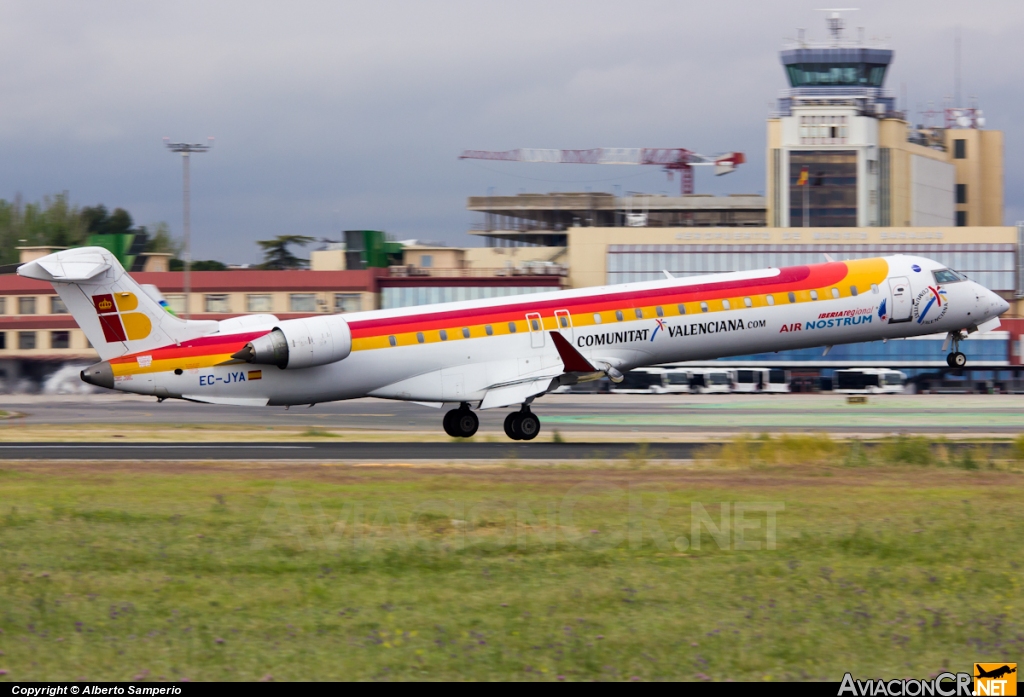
<point x="589" y="416"/>
<point x="367" y="452"/>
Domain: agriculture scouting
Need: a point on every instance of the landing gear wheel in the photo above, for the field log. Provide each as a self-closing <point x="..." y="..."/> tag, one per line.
<point x="511" y="429"/>
<point x="448" y="424"/>
<point x="465" y="423"/>
<point x="527" y="425"/>
<point x="461" y="423"/>
<point x="956" y="360"/>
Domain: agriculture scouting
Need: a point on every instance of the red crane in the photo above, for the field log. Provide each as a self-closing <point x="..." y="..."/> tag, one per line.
<point x="672" y="159"/>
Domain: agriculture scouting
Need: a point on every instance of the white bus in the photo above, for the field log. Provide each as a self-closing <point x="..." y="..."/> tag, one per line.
<point x="869" y="381"/>
<point x="710" y="380"/>
<point x="771" y="380"/>
<point x="653" y="381"/>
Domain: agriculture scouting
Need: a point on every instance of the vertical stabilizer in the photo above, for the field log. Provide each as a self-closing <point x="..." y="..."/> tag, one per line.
<point x="117" y="314"/>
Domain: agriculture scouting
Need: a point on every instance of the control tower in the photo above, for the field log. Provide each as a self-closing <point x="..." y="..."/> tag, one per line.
<point x="840" y="154"/>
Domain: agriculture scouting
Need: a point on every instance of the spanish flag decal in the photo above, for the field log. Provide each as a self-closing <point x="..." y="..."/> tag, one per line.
<point x="255" y="374"/>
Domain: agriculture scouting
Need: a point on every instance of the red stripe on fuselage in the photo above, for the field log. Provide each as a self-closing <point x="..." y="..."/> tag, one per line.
<point x="790" y="278"/>
<point x="203" y="346"/>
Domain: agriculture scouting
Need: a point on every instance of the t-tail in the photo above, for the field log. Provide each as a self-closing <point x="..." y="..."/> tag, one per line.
<point x="118" y="315"/>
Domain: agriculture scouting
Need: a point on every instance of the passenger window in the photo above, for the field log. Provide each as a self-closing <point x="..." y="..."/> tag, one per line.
<point x="681" y="308"/>
<point x="703" y="307"/>
<point x="639" y="313"/>
<point x="512" y="327"/>
<point x="419" y="337"/>
<point x="563" y="320"/>
<point x="853" y="291"/>
<point x="489" y="330"/>
<point x="535" y="324"/>
<point x="814" y="295"/>
<point x="748" y="302"/>
<point x="597" y="318"/>
<point x="444" y="335"/>
<point x="465" y="332"/>
<point x="770" y="299"/>
<point x="792" y="297"/>
<point x="618" y="315"/>
<point x="392" y="341"/>
<point x="874" y="289"/>
<point x="835" y="292"/>
<point x="658" y="311"/>
<point x="725" y="304"/>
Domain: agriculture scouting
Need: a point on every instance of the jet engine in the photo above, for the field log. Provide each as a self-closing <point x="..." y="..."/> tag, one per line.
<point x="300" y="343"/>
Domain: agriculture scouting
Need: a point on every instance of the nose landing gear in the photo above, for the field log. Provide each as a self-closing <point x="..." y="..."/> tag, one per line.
<point x="461" y="422"/>
<point x="956" y="359"/>
<point x="522" y="424"/>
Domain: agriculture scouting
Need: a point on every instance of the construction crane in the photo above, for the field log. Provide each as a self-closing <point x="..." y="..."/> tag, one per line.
<point x="672" y="159"/>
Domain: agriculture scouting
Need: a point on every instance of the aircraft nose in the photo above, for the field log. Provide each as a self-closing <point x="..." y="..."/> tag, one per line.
<point x="992" y="304"/>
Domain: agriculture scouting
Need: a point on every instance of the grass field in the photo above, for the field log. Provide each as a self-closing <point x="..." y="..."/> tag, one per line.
<point x="886" y="564"/>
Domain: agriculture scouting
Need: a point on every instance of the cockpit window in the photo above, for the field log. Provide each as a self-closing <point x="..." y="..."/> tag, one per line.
<point x="947" y="276"/>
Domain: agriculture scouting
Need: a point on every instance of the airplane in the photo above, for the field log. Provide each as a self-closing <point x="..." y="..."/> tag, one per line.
<point x="503" y="352"/>
<point x="995" y="672"/>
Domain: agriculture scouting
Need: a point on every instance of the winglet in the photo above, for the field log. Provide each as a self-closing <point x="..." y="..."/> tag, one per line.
<point x="572" y="359"/>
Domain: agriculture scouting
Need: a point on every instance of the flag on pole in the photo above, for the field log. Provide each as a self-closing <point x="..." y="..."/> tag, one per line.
<point x="802" y="181"/>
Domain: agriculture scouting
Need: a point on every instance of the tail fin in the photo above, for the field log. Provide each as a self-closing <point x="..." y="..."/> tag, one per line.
<point x="117" y="314"/>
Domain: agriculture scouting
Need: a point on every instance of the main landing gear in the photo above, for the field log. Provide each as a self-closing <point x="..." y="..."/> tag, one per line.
<point x="461" y="422"/>
<point x="522" y="424"/>
<point x="956" y="359"/>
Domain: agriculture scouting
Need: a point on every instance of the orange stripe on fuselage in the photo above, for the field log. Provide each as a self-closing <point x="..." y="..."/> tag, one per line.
<point x="369" y="334"/>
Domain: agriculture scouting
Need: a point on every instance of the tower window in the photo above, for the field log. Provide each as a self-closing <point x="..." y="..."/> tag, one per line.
<point x="961" y="193"/>
<point x="959" y="149"/>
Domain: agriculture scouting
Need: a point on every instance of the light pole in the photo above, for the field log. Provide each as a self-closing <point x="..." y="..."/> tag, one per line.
<point x="186" y="150"/>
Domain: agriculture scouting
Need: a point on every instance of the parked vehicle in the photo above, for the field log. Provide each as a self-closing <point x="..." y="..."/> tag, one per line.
<point x="710" y="380"/>
<point x="869" y="381"/>
<point x="769" y="380"/>
<point x="653" y="381"/>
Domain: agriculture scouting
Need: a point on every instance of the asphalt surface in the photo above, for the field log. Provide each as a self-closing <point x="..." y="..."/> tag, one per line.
<point x="369" y="452"/>
<point x="620" y="416"/>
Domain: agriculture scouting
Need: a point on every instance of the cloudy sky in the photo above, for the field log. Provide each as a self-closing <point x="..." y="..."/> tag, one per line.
<point x="343" y="115"/>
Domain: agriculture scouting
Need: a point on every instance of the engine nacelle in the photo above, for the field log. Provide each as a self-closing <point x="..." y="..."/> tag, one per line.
<point x="300" y="343"/>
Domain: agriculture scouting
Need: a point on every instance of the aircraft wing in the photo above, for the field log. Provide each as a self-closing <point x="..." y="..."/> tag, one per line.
<point x="517" y="392"/>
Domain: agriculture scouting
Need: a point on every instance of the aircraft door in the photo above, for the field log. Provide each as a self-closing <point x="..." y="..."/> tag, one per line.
<point x="563" y="322"/>
<point x="902" y="300"/>
<point x="536" y="326"/>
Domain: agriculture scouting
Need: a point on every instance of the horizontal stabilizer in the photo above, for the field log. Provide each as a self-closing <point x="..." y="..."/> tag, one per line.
<point x="53" y="268"/>
<point x="572" y="359"/>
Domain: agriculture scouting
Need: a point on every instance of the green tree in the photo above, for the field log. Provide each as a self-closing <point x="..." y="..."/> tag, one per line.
<point x="53" y="222"/>
<point x="276" y="254"/>
<point x="161" y="242"/>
